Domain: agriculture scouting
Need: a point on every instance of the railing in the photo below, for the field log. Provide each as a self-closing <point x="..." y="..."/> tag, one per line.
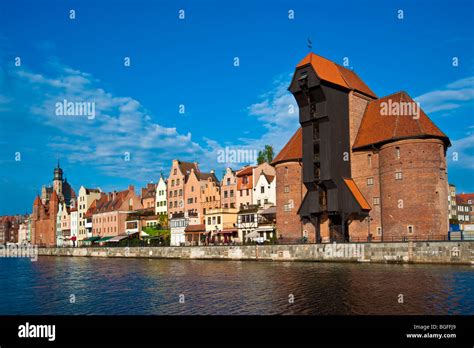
<point x="284" y="241"/>
<point x="400" y="238"/>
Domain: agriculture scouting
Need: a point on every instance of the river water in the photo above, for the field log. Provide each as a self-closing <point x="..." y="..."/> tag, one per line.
<point x="75" y="285"/>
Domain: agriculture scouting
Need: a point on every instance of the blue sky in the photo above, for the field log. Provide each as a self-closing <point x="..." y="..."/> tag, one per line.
<point x="190" y="62"/>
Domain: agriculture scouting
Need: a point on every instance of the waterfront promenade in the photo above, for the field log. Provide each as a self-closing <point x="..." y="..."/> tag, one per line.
<point x="442" y="252"/>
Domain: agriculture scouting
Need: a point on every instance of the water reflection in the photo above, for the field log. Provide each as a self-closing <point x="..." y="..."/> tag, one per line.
<point x="133" y="286"/>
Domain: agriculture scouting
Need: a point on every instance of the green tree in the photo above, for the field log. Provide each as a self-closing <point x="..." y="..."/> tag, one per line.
<point x="266" y="155"/>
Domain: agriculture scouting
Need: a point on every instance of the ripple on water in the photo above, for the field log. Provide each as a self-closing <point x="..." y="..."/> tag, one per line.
<point x="135" y="286"/>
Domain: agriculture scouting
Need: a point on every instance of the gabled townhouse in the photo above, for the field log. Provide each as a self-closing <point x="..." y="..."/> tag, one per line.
<point x="179" y="174"/>
<point x="85" y="199"/>
<point x="161" y="205"/>
<point x="210" y="192"/>
<point x="63" y="225"/>
<point x="192" y="192"/>
<point x="244" y="187"/>
<point x="264" y="193"/>
<point x="229" y="189"/>
<point x="247" y="178"/>
<point x="149" y="196"/>
<point x="74" y="226"/>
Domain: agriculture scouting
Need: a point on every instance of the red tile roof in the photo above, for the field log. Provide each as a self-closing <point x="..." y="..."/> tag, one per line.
<point x="331" y="72"/>
<point x="245" y="171"/>
<point x="376" y="128"/>
<point x="357" y="194"/>
<point x="467" y="196"/>
<point x="293" y="150"/>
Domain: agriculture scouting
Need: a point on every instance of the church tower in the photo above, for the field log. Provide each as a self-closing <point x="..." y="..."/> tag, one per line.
<point x="58" y="180"/>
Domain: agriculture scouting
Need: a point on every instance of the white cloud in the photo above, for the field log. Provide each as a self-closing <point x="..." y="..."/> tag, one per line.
<point x="278" y="111"/>
<point x="453" y="96"/>
<point x="461" y="153"/>
<point x="121" y="125"/>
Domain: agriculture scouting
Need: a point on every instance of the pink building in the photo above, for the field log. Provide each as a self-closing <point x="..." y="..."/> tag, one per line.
<point x="109" y="213"/>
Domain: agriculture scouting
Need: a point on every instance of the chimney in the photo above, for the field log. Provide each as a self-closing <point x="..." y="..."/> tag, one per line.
<point x="212" y="171"/>
<point x="131" y="188"/>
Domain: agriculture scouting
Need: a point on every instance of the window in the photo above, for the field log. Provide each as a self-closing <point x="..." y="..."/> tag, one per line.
<point x="258" y="202"/>
<point x="180" y="192"/>
<point x="232" y="193"/>
<point x="174" y="172"/>
<point x="208" y="220"/>
<point x="192" y="188"/>
<point x="172" y="182"/>
<point x="397" y="152"/>
<point x="286" y="170"/>
<point x="410" y="229"/>
<point x="369" y="159"/>
<point x="370" y="181"/>
<point x="265" y="200"/>
<point x="376" y="200"/>
<point x="398" y="176"/>
<point x="379" y="231"/>
<point x="240" y="193"/>
<point x="247" y="192"/>
<point x="218" y="220"/>
<point x="287" y="189"/>
<point x="262" y="189"/>
<point x="245" y="180"/>
<point x="228" y="181"/>
<point x="177" y="181"/>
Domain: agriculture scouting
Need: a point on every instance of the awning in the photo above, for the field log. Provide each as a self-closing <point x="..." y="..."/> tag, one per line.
<point x="265" y="229"/>
<point x="91" y="239"/>
<point x="226" y="231"/>
<point x="269" y="211"/>
<point x="117" y="238"/>
<point x="252" y="235"/>
<point x="104" y="239"/>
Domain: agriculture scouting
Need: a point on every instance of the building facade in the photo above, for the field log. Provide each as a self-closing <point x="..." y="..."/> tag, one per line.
<point x="109" y="213"/>
<point x="290" y="191"/>
<point x="85" y="199"/>
<point x="149" y="196"/>
<point x="161" y="205"/>
<point x="363" y="159"/>
<point x="177" y="179"/>
<point x="228" y="189"/>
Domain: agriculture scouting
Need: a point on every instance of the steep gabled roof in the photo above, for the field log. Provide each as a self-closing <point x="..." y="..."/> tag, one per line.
<point x="377" y="127"/>
<point x="293" y="150"/>
<point x="334" y="73"/>
<point x="185" y="167"/>
<point x="205" y="176"/>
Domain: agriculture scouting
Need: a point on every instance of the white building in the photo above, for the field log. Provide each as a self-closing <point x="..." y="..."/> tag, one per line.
<point x="84" y="201"/>
<point x="161" y="207"/>
<point x="74" y="226"/>
<point x="264" y="190"/>
<point x="178" y="224"/>
<point x="23" y="232"/>
<point x="59" y="235"/>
